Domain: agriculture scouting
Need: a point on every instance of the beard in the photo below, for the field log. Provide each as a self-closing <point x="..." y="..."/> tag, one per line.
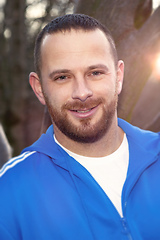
<point x="85" y="131"/>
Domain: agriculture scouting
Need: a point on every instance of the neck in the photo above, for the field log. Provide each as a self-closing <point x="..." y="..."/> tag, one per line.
<point x="103" y="147"/>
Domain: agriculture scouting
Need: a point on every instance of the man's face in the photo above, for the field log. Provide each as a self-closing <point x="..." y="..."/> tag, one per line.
<point x="79" y="83"/>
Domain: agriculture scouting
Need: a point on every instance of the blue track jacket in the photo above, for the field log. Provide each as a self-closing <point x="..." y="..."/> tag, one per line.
<point x="47" y="195"/>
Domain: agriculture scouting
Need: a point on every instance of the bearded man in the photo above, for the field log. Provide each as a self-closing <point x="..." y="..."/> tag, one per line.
<point x="91" y="175"/>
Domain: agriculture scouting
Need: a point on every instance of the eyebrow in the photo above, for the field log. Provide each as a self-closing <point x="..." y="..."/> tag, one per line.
<point x="98" y="66"/>
<point x="61" y="71"/>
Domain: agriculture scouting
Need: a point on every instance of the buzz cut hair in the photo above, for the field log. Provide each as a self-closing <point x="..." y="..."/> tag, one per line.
<point x="67" y="23"/>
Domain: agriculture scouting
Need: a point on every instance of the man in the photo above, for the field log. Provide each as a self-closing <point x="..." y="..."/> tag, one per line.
<point x="90" y="176"/>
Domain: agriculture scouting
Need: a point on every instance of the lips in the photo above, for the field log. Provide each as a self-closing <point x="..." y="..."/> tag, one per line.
<point x="84" y="113"/>
<point x="83" y="109"/>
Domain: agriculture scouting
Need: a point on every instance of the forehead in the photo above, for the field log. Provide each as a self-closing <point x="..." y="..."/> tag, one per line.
<point x="75" y="40"/>
<point x="75" y="49"/>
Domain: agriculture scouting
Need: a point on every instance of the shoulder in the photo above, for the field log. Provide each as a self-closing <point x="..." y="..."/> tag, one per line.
<point x="15" y="162"/>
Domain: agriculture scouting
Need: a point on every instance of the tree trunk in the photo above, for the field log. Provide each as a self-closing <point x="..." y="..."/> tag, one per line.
<point x="15" y="64"/>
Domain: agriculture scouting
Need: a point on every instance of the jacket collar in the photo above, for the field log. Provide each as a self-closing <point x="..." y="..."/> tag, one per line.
<point x="144" y="146"/>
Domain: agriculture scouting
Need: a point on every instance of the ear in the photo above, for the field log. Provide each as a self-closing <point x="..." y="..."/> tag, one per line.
<point x="120" y="75"/>
<point x="36" y="86"/>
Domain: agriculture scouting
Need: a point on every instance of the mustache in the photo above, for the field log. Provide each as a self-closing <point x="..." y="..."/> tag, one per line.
<point x="88" y="104"/>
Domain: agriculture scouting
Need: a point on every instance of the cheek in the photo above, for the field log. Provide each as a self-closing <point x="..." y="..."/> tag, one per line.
<point x="57" y="98"/>
<point x="105" y="90"/>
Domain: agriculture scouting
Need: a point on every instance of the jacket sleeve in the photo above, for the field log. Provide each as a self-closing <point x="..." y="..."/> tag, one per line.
<point x="4" y="234"/>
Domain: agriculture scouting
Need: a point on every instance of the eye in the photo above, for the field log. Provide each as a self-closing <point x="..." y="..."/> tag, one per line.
<point x="96" y="73"/>
<point x="60" y="78"/>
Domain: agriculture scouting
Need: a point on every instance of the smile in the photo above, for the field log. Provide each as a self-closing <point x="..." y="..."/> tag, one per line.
<point x="84" y="113"/>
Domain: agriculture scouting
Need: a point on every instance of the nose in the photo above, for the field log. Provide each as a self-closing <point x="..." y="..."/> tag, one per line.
<point x="81" y="90"/>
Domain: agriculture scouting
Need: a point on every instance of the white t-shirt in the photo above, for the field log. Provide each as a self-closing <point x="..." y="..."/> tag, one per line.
<point x="109" y="171"/>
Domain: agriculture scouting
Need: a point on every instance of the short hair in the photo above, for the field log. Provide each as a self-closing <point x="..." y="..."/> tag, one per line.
<point x="66" y="23"/>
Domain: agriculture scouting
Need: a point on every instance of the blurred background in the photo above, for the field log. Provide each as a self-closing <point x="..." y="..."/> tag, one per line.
<point x="135" y="26"/>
